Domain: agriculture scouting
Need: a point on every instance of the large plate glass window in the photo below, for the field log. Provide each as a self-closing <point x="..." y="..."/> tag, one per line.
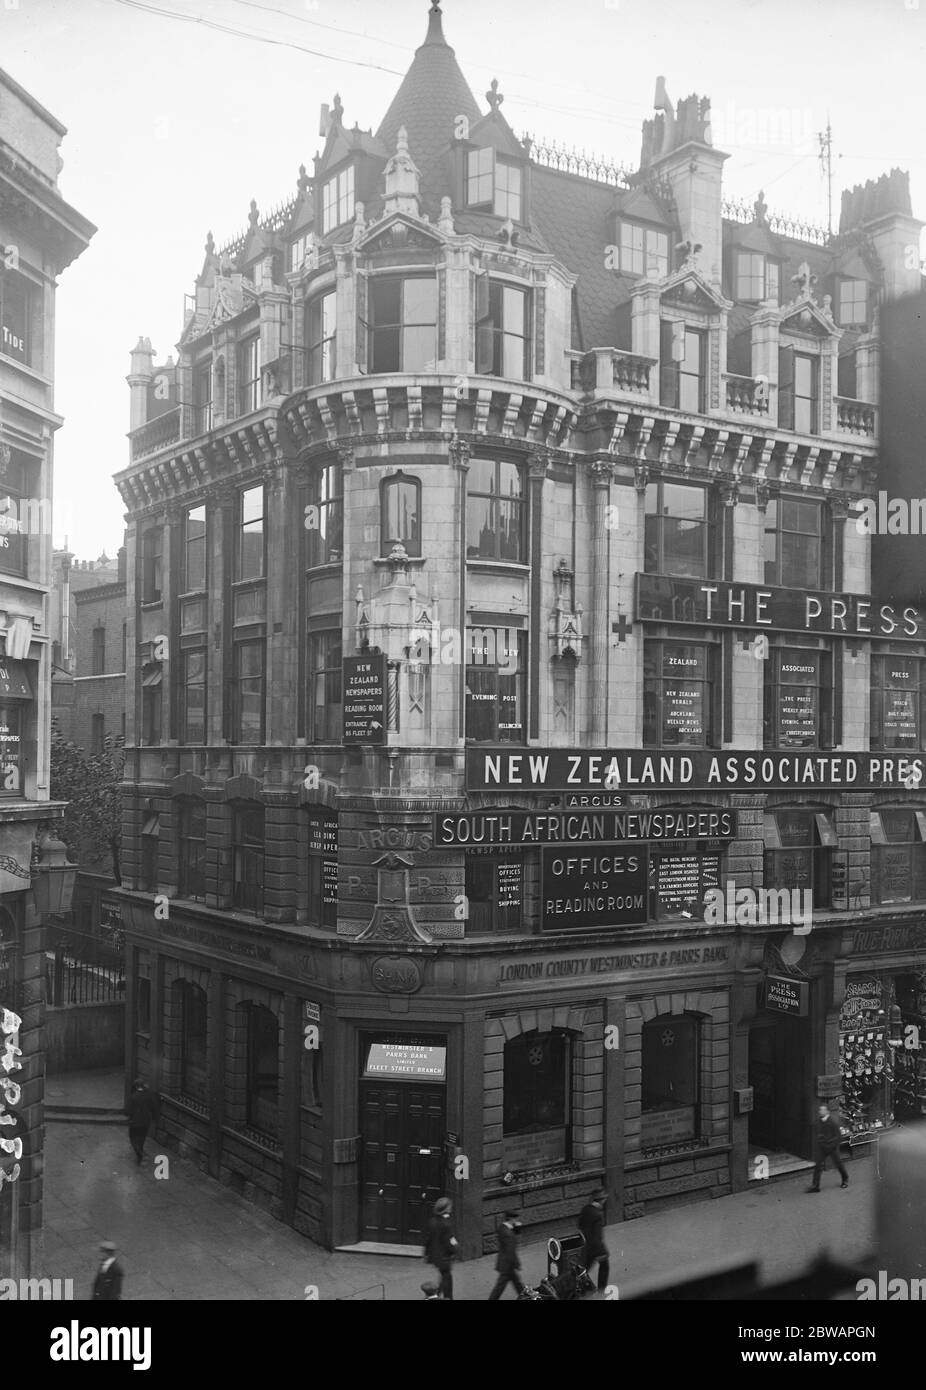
<point x="682" y="367"/>
<point x="898" y="700"/>
<point x="496" y="511"/>
<point x="794" y="549"/>
<point x="403" y="324"/>
<point x="496" y="682"/>
<point x="898" y="854"/>
<point x="678" y="694"/>
<point x="669" y="1085"/>
<point x="799" y="847"/>
<point x="797" y="698"/>
<point x="502" y="330"/>
<point x="676" y="530"/>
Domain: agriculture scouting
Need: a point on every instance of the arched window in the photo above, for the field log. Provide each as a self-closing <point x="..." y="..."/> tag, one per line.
<point x="263" y="1069"/>
<point x="193" y="1018"/>
<point x="400" y="513"/>
<point x="670" y="1082"/>
<point x="191" y="848"/>
<point x="537" y="1099"/>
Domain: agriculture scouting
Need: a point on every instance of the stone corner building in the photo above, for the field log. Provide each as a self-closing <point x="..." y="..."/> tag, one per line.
<point x="480" y="484"/>
<point x="40" y="235"/>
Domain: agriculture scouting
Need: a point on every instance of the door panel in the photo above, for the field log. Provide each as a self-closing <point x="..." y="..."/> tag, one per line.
<point x="402" y="1128"/>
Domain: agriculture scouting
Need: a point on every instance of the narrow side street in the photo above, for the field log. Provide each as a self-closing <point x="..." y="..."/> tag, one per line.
<point x="187" y="1237"/>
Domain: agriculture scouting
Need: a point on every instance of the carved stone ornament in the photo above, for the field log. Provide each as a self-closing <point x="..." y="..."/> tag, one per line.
<point x="396" y="975"/>
<point x="460" y="451"/>
<point x="602" y="471"/>
<point x="393" y="924"/>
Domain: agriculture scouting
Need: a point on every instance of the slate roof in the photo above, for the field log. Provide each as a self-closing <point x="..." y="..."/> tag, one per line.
<point x="433" y="92"/>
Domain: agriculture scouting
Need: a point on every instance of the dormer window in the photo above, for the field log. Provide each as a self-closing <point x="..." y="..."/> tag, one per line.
<point x="757" y="277"/>
<point x="338" y="200"/>
<point x="494" y="183"/>
<point x="640" y="247"/>
<point x="851" y="303"/>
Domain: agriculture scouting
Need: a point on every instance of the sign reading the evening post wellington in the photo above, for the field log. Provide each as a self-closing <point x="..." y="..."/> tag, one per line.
<point x="640" y="770"/>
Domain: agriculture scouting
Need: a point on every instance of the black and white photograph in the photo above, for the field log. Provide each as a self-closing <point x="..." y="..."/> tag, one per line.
<point x="463" y="667"/>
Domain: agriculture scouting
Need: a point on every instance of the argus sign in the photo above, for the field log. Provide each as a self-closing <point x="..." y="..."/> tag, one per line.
<point x="9" y="1029"/>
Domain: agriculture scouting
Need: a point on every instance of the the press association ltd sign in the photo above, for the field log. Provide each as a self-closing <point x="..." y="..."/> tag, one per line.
<point x="10" y="1093"/>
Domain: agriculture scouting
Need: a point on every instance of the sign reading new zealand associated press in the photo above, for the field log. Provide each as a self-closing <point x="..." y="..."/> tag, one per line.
<point x="604" y="886"/>
<point x="365" y="698"/>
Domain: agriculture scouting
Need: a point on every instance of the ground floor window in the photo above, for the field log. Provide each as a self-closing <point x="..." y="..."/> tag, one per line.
<point x="679" y="881"/>
<point x="263" y="1069"/>
<point x="864" y="1056"/>
<point x="193" y="1017"/>
<point x="537" y="1107"/>
<point x="671" y="1070"/>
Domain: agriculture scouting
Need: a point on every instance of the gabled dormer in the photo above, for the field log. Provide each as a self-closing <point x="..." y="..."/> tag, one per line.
<point x="491" y="167"/>
<point x="347" y="172"/>
<point x="641" y="236"/>
<point x="754" y="259"/>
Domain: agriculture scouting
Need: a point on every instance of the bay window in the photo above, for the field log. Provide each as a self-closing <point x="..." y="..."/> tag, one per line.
<point x="321" y="338"/>
<point x="502" y="330"/>
<point x="402" y="328"/>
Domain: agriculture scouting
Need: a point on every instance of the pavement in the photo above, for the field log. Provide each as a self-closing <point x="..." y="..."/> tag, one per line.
<point x="186" y="1237"/>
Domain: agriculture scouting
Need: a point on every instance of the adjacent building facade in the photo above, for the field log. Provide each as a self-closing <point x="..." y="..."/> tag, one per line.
<point x="497" y="612"/>
<point x="40" y="235"/>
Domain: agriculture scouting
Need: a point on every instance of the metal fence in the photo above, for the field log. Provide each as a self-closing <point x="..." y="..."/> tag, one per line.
<point x="83" y="969"/>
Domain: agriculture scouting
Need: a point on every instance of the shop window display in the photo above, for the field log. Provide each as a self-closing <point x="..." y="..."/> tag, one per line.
<point x="865" y="1057"/>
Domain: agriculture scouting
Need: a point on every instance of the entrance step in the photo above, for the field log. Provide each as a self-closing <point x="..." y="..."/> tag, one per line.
<point x="373" y="1247"/>
<point x="780" y="1165"/>
<point x="84" y="1115"/>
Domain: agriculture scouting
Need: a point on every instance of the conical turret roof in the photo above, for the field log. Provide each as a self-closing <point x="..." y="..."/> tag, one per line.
<point x="433" y="93"/>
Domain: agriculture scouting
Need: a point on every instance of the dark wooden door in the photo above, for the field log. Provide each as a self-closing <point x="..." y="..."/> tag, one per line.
<point x="402" y="1167"/>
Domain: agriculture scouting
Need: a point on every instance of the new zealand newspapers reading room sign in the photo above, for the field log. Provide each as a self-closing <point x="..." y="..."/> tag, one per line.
<point x="716" y="603"/>
<point x="630" y="769"/>
<point x="365" y="698"/>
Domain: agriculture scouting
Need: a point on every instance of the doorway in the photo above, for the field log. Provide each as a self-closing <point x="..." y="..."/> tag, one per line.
<point x="402" y="1159"/>
<point x="783" y="1092"/>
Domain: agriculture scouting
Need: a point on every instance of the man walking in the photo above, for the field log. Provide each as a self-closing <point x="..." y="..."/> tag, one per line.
<point x="441" y="1247"/>
<point x="107" y="1286"/>
<point x="142" y="1111"/>
<point x="508" y="1261"/>
<point x="591" y="1228"/>
<point x="829" y="1138"/>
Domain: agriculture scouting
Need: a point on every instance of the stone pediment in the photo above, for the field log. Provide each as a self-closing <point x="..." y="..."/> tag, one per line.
<point x="807" y="318"/>
<point x="399" y="233"/>
<point x="233" y="294"/>
<point x="689" y="290"/>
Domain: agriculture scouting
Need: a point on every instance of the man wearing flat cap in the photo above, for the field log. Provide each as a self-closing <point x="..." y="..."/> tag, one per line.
<point x="108" y="1282"/>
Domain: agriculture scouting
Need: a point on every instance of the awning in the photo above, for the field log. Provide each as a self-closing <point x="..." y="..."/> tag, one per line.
<point x="153" y="677"/>
<point x="15" y="683"/>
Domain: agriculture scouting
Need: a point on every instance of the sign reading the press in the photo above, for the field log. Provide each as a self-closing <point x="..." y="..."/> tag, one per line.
<point x="716" y="603"/>
<point x="630" y="769"/>
<point x="603" y="887"/>
<point x="786" y="996"/>
<point x="365" y="698"/>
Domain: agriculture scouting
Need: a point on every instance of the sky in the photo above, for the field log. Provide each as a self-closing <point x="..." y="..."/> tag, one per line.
<point x="175" y="124"/>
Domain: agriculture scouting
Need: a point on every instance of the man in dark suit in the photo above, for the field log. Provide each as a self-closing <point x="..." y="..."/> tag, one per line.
<point x="508" y="1261"/>
<point x="441" y="1247"/>
<point x="591" y="1227"/>
<point x="829" y="1138"/>
<point x="108" y="1282"/>
<point x="142" y="1110"/>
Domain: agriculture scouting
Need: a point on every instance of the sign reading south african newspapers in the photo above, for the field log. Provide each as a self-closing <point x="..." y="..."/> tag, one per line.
<point x="572" y="827"/>
<point x="633" y="769"/>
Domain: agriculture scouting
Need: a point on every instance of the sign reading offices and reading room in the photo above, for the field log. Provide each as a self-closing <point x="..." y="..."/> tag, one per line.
<point x="364" y="696"/>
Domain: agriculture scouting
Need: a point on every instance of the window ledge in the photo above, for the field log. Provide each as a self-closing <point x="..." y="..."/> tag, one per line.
<point x="500" y="566"/>
<point x="265" y="1143"/>
<point x="646" y="1159"/>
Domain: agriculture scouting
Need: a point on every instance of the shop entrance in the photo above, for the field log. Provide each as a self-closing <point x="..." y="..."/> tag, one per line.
<point x="402" y="1165"/>
<point x="783" y="1093"/>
